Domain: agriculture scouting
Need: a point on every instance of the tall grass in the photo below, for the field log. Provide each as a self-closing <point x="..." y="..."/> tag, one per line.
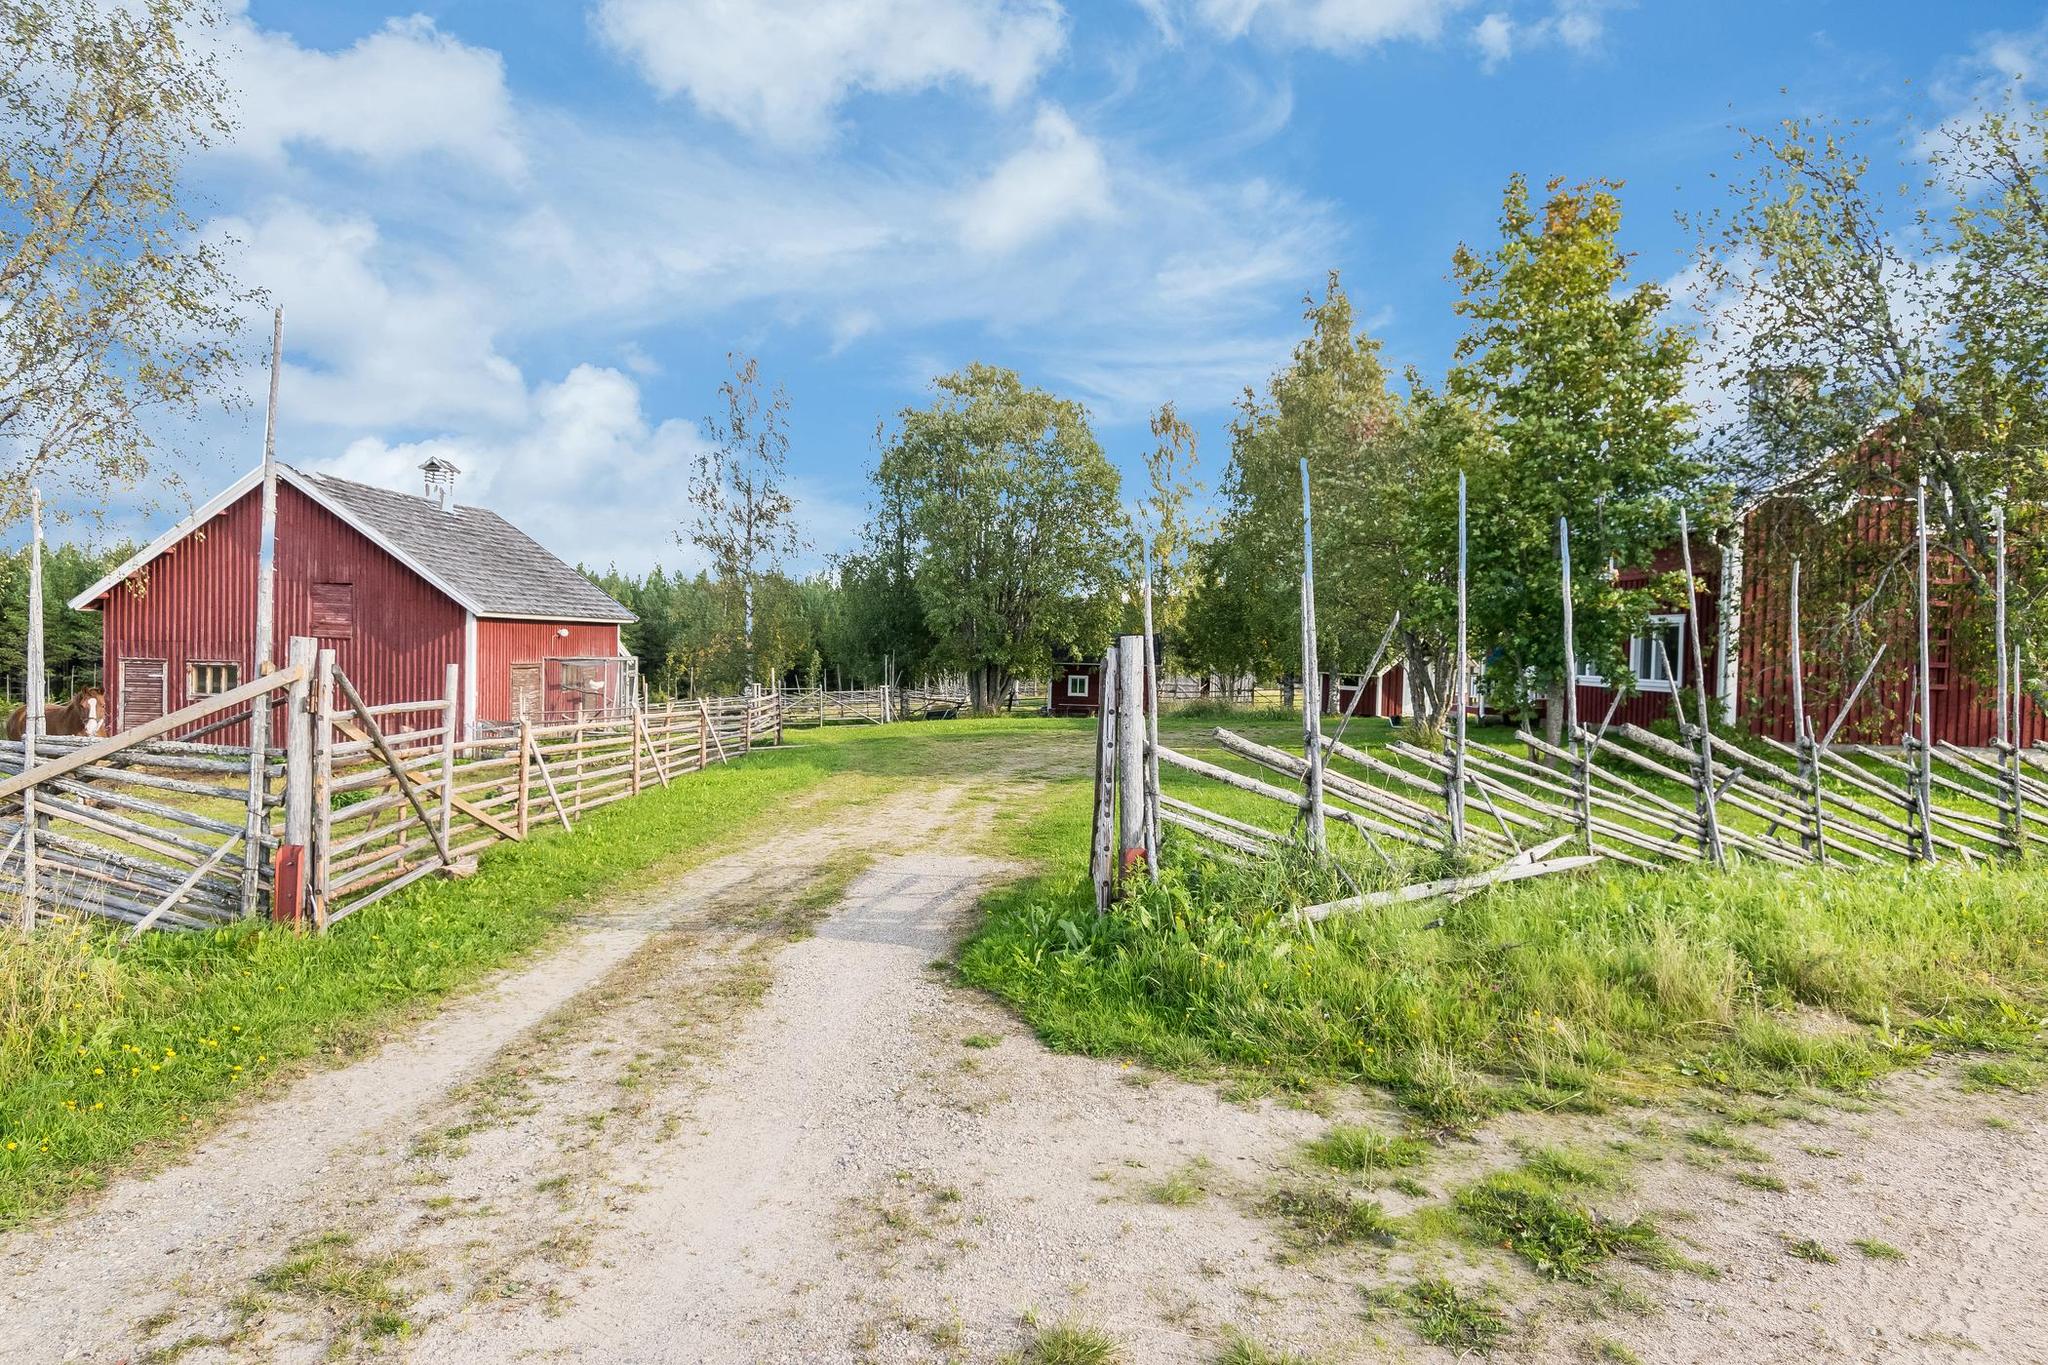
<point x="1561" y="992"/>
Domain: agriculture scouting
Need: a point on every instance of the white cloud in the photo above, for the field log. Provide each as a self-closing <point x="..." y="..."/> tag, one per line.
<point x="406" y="90"/>
<point x="586" y="472"/>
<point x="381" y="337"/>
<point x="1061" y="178"/>
<point x="781" y="67"/>
<point x="1332" y="25"/>
<point x="1495" y="35"/>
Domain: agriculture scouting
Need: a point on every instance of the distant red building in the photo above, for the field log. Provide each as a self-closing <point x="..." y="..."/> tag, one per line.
<point x="1076" y="690"/>
<point x="400" y="586"/>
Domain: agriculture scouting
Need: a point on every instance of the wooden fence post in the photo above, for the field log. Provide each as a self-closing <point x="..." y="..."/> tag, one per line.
<point x="525" y="778"/>
<point x="1101" y="831"/>
<point x="1454" y="786"/>
<point x="633" y="738"/>
<point x="1312" y="684"/>
<point x="289" y="900"/>
<point x="703" y="735"/>
<point x="1130" y="754"/>
<point x="323" y="784"/>
<point x="451" y="699"/>
<point x="32" y="719"/>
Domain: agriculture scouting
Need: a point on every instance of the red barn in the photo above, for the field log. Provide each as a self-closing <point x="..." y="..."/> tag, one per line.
<point x="400" y="586"/>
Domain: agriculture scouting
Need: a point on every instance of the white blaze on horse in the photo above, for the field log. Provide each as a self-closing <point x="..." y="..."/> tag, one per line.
<point x="85" y="714"/>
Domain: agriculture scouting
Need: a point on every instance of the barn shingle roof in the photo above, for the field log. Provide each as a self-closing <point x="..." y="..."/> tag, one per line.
<point x="492" y="566"/>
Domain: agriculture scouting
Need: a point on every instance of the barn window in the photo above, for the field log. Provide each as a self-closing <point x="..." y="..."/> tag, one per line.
<point x="211" y="679"/>
<point x="1077" y="684"/>
<point x="334" y="611"/>
<point x="1659" y="669"/>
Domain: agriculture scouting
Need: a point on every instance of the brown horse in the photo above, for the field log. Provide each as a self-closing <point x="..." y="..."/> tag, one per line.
<point x="84" y="714"/>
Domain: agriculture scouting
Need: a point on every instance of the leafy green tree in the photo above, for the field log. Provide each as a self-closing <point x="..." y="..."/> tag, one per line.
<point x="1582" y="382"/>
<point x="1380" y="471"/>
<point x="117" y="312"/>
<point x="1011" y="525"/>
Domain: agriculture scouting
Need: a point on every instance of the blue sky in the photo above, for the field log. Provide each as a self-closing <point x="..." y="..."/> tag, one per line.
<point x="524" y="233"/>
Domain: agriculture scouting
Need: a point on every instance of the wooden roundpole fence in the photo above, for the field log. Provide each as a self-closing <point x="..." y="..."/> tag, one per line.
<point x="288" y="893"/>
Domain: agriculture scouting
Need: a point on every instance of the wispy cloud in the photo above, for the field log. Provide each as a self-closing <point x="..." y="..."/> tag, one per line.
<point x="781" y="68"/>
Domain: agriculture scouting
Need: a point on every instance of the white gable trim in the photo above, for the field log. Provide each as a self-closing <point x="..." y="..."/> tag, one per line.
<point x="226" y="498"/>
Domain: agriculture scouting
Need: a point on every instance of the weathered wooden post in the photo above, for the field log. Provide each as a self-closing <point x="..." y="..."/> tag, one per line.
<point x="266" y="624"/>
<point x="779" y="695"/>
<point x="323" y="782"/>
<point x="1130" y="755"/>
<point x="703" y="735"/>
<point x="1101" y="835"/>
<point x="1312" y="682"/>
<point x="451" y="699"/>
<point x="1454" y="789"/>
<point x="1923" y="765"/>
<point x="525" y="778"/>
<point x="1151" y="731"/>
<point x="1711" y="821"/>
<point x="32" y="720"/>
<point x="2008" y="696"/>
<point x="633" y="733"/>
<point x="1582" y="777"/>
<point x="1802" y="728"/>
<point x="288" y="873"/>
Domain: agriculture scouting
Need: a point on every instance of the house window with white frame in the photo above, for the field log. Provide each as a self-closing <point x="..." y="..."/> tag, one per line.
<point x="1659" y="669"/>
<point x="1077" y="684"/>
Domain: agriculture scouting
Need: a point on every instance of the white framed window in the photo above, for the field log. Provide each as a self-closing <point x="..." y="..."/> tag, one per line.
<point x="1658" y="655"/>
<point x="211" y="679"/>
<point x="1077" y="684"/>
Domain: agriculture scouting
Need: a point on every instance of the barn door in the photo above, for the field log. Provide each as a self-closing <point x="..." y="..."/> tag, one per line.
<point x="142" y="692"/>
<point x="526" y="692"/>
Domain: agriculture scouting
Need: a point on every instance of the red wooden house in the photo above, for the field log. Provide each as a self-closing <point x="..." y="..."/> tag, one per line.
<point x="400" y="586"/>
<point x="1076" y="689"/>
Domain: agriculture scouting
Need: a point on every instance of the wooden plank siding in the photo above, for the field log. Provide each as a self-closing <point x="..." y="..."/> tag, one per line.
<point x="196" y="603"/>
<point x="502" y="646"/>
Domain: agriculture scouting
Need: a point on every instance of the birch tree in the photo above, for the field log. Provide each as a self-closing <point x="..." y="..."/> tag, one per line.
<point x="742" y="514"/>
<point x="115" y="314"/>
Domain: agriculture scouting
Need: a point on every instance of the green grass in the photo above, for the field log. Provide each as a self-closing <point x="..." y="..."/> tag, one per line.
<point x="1071" y="1344"/>
<point x="1326" y="1218"/>
<point x="358" y="1292"/>
<point x="1447" y="1316"/>
<point x="1806" y="1249"/>
<point x="1242" y="1350"/>
<point x="1351" y="1147"/>
<point x="1188" y="1185"/>
<point x="106" y="1049"/>
<point x="1522" y="1212"/>
<point x="1560" y="993"/>
<point x="1878" y="1251"/>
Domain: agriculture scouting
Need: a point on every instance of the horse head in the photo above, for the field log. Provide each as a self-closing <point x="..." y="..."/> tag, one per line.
<point x="92" y="706"/>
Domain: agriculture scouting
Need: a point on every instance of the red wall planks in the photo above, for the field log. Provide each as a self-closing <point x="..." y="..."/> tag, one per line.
<point x="196" y="603"/>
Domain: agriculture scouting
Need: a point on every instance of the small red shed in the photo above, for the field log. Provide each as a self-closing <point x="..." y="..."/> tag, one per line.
<point x="400" y="586"/>
<point x="1353" y="693"/>
<point x="1076" y="690"/>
